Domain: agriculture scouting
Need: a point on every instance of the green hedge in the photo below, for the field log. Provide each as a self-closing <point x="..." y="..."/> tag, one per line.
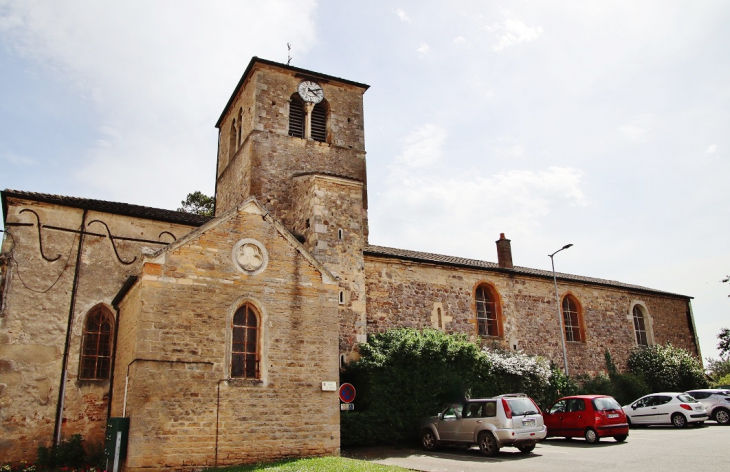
<point x="405" y="375"/>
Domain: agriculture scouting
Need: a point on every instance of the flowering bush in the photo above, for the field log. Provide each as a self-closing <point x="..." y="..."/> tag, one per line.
<point x="667" y="368"/>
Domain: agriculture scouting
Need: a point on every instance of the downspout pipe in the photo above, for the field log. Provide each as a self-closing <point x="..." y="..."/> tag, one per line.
<point x="64" y="362"/>
<point x="131" y="280"/>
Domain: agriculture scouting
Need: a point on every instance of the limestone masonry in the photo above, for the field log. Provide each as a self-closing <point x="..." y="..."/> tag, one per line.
<point x="214" y="335"/>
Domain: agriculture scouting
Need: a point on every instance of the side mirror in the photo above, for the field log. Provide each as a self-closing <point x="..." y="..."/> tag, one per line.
<point x="633" y="407"/>
<point x="458" y="415"/>
<point x="441" y="416"/>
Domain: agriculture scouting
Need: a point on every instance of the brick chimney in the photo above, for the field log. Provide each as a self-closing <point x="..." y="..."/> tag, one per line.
<point x="504" y="252"/>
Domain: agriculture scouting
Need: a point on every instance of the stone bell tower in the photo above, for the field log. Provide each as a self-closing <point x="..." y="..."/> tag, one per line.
<point x="295" y="140"/>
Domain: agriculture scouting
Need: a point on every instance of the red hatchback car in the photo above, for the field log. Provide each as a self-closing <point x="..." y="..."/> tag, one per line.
<point x="591" y="416"/>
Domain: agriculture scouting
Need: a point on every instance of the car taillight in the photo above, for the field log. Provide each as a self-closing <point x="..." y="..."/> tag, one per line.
<point x="507" y="409"/>
<point x="685" y="406"/>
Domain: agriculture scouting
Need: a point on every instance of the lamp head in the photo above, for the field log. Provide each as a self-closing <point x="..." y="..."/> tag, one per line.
<point x="567" y="246"/>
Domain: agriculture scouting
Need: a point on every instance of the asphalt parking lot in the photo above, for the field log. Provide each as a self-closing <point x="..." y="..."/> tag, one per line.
<point x="654" y="448"/>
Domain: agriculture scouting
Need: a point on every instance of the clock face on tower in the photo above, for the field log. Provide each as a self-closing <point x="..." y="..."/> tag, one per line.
<point x="311" y="91"/>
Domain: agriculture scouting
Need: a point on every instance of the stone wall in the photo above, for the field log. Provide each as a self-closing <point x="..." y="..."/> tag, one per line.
<point x="184" y="408"/>
<point x="409" y="294"/>
<point x="35" y="317"/>
<point x="327" y="208"/>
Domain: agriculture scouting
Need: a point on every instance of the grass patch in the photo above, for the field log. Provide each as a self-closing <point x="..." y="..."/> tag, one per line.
<point x="315" y="464"/>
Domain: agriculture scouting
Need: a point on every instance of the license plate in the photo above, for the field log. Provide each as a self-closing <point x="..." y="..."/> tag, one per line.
<point x="528" y="422"/>
<point x="612" y="415"/>
<point x="698" y="408"/>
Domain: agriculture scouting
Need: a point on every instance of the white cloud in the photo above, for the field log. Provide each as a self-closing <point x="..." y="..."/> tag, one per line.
<point x="638" y="128"/>
<point x="402" y="15"/>
<point x="712" y="149"/>
<point x="459" y="40"/>
<point x="512" y="31"/>
<point x="421" y="148"/>
<point x="18" y="160"/>
<point x="153" y="72"/>
<point x="423" y="49"/>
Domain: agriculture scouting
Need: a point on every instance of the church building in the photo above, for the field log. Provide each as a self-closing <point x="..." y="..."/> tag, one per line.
<point x="221" y="339"/>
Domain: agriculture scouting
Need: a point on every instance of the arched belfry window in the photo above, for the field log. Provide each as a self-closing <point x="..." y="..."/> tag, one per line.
<point x="298" y="119"/>
<point x="296" y="116"/>
<point x="245" y="354"/>
<point x="319" y="122"/>
<point x="96" y="345"/>
<point x="488" y="311"/>
<point x="640" y="326"/>
<point x="573" y="319"/>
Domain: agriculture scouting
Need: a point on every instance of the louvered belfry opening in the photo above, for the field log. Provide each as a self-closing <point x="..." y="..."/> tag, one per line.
<point x="319" y="122"/>
<point x="296" y="116"/>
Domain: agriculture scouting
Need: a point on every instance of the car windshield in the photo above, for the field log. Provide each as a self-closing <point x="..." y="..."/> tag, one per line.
<point x="522" y="406"/>
<point x="605" y="403"/>
<point x="686" y="398"/>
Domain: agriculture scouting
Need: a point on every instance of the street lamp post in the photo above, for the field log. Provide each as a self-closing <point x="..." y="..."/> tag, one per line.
<point x="557" y="301"/>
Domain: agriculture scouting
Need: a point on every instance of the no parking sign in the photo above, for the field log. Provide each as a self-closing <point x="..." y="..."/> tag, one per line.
<point x="347" y="393"/>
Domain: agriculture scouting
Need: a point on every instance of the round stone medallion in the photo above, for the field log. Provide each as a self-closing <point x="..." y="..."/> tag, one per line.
<point x="250" y="256"/>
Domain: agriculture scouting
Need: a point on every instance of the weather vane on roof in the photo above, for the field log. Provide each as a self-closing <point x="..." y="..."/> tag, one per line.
<point x="288" y="54"/>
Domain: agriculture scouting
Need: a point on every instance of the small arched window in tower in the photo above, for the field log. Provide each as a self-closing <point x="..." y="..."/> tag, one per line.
<point x="340" y="234"/>
<point x="572" y="319"/>
<point x="342" y="297"/>
<point x="487" y="312"/>
<point x="642" y="339"/>
<point x="319" y="121"/>
<point x="245" y="354"/>
<point x="232" y="141"/>
<point x="239" y="128"/>
<point x="96" y="345"/>
<point x="296" y="116"/>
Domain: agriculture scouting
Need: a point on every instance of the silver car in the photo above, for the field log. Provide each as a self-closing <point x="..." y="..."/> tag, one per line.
<point x="716" y="402"/>
<point x="491" y="423"/>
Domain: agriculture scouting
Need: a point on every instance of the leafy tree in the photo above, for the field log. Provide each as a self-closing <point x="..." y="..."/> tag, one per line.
<point x="199" y="204"/>
<point x="724" y="344"/>
<point x="718" y="367"/>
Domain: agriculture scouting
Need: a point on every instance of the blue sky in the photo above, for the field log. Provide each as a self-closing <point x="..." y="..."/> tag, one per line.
<point x="602" y="124"/>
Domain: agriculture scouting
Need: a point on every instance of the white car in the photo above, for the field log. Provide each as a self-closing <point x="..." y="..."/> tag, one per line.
<point x="716" y="401"/>
<point x="673" y="408"/>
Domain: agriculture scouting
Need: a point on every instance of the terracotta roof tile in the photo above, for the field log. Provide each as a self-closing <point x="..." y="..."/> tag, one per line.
<point x="126" y="209"/>
<point x="426" y="257"/>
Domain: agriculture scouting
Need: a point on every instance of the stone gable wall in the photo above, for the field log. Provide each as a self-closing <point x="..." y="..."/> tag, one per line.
<point x="185" y="400"/>
<point x="409" y="294"/>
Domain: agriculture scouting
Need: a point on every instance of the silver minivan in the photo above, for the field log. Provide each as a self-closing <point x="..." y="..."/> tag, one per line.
<point x="491" y="423"/>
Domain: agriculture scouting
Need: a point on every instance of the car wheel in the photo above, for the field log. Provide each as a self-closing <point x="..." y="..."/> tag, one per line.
<point x="628" y="420"/>
<point x="621" y="437"/>
<point x="488" y="444"/>
<point x="722" y="416"/>
<point x="526" y="449"/>
<point x="679" y="420"/>
<point x="591" y="436"/>
<point x="428" y="440"/>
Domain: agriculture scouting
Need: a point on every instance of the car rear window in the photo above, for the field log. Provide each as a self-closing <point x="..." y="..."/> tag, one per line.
<point x="685" y="398"/>
<point x="605" y="403"/>
<point x="522" y="406"/>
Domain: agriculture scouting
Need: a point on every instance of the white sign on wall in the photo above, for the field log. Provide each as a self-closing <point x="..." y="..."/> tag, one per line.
<point x="329" y="386"/>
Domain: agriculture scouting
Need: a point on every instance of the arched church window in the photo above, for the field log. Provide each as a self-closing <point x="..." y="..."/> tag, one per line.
<point x="642" y="337"/>
<point x="488" y="311"/>
<point x="245" y="355"/>
<point x="572" y="322"/>
<point x="296" y="116"/>
<point x="96" y="345"/>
